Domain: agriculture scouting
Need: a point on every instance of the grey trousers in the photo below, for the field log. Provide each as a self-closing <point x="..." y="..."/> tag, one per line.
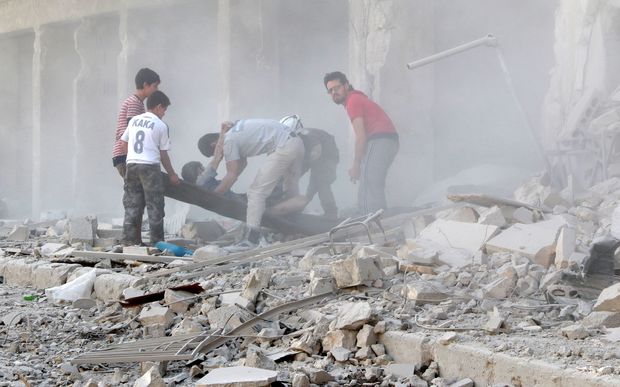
<point x="380" y="153"/>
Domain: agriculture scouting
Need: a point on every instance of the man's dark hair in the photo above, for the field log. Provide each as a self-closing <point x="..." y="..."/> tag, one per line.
<point x="205" y="144"/>
<point x="336" y="75"/>
<point x="146" y="75"/>
<point x="157" y="98"/>
<point x="191" y="171"/>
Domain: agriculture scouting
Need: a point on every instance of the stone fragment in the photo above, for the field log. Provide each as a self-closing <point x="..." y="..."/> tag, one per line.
<point x="495" y="322"/>
<point x="132" y="292"/>
<point x="155" y="315"/>
<point x="364" y="353"/>
<point x="340" y="353"/>
<point x="257" y="280"/>
<point x="406" y="347"/>
<point x="423" y="292"/>
<point x="492" y="216"/>
<point x="306" y="343"/>
<point x="535" y="241"/>
<point x="240" y="376"/>
<point x="339" y="338"/>
<point x="151" y="378"/>
<point x="83" y="229"/>
<point x="602" y="319"/>
<point x="12" y="318"/>
<point x="353" y="315"/>
<point x="257" y="359"/>
<point x="319" y="376"/>
<point x="447" y="338"/>
<point x="19" y="233"/>
<point x="84" y="303"/>
<point x="208" y="252"/>
<point x="400" y="370"/>
<point x="575" y="332"/>
<point x="177" y="300"/>
<point x="109" y="287"/>
<point x="225" y="316"/>
<point x="187" y="326"/>
<point x="366" y="336"/>
<point x="319" y="255"/>
<point x="51" y="274"/>
<point x="467" y="382"/>
<point x="233" y="299"/>
<point x="460" y="235"/>
<point x="320" y="285"/>
<point x="300" y="380"/>
<point x="48" y="249"/>
<point x="523" y="215"/>
<point x="608" y="300"/>
<point x="208" y="305"/>
<point x="417" y="252"/>
<point x="354" y="271"/>
<point x="565" y="247"/>
<point x="378" y="349"/>
<point x="462" y="214"/>
<point x="19" y="272"/>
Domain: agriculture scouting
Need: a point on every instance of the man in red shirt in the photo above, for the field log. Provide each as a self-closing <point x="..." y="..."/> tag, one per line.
<point x="376" y="141"/>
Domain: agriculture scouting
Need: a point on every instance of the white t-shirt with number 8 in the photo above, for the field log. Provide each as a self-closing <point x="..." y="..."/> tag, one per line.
<point x="145" y="136"/>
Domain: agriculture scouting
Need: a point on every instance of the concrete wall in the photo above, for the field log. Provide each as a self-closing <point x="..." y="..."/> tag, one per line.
<point x="246" y="58"/>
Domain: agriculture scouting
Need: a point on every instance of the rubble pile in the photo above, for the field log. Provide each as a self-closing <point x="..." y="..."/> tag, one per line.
<point x="491" y="291"/>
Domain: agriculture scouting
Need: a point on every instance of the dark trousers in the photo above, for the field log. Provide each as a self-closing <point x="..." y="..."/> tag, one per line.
<point x="144" y="186"/>
<point x="378" y="158"/>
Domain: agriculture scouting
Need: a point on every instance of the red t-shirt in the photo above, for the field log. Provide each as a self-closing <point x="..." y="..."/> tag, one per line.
<point x="131" y="107"/>
<point x="376" y="122"/>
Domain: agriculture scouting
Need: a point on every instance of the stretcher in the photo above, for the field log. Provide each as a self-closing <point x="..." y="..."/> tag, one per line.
<point x="233" y="208"/>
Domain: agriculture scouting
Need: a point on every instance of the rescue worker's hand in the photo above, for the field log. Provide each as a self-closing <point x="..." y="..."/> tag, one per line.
<point x="354" y="173"/>
<point x="174" y="179"/>
<point x="226" y="126"/>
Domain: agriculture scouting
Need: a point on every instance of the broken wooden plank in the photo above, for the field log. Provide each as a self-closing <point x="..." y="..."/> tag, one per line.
<point x="121" y="257"/>
<point x="490" y="201"/>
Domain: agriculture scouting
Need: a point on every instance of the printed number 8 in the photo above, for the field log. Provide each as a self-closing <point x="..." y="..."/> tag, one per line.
<point x="138" y="147"/>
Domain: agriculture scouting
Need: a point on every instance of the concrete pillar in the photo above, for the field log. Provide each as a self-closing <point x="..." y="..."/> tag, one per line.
<point x="36" y="124"/>
<point x="223" y="55"/>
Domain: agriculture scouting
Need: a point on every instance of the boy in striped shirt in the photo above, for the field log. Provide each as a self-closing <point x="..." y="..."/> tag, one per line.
<point x="147" y="81"/>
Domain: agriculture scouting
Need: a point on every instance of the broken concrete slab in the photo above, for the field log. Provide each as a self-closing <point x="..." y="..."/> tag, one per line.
<point x="495" y="321"/>
<point x="225" y="316"/>
<point x="492" y="216"/>
<point x="419" y="252"/>
<point x="535" y="241"/>
<point x="109" y="287"/>
<point x="20" y="271"/>
<point x="522" y="215"/>
<point x="366" y="336"/>
<point x="19" y="233"/>
<point x="602" y="319"/>
<point x="565" y="247"/>
<point x="405" y="347"/>
<point x="424" y="292"/>
<point x="318" y="255"/>
<point x="52" y="274"/>
<point x="48" y="249"/>
<point x="178" y="301"/>
<point x="575" y="332"/>
<point x="340" y="354"/>
<point x="608" y="300"/>
<point x="461" y="214"/>
<point x="156" y="315"/>
<point x="257" y="280"/>
<point x="353" y="315"/>
<point x="343" y="338"/>
<point x="83" y="229"/>
<point x="240" y="376"/>
<point x="151" y="378"/>
<point x="354" y="271"/>
<point x="255" y="358"/>
<point x="187" y="326"/>
<point x="460" y="235"/>
<point x="400" y="370"/>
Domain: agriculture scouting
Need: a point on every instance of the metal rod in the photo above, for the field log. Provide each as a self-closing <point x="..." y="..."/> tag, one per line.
<point x="488" y="40"/>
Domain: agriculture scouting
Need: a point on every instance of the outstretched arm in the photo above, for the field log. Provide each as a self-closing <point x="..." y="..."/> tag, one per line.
<point x="165" y="161"/>
<point x="233" y="170"/>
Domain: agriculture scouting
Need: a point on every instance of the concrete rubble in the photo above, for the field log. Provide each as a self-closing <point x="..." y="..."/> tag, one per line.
<point x="476" y="295"/>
